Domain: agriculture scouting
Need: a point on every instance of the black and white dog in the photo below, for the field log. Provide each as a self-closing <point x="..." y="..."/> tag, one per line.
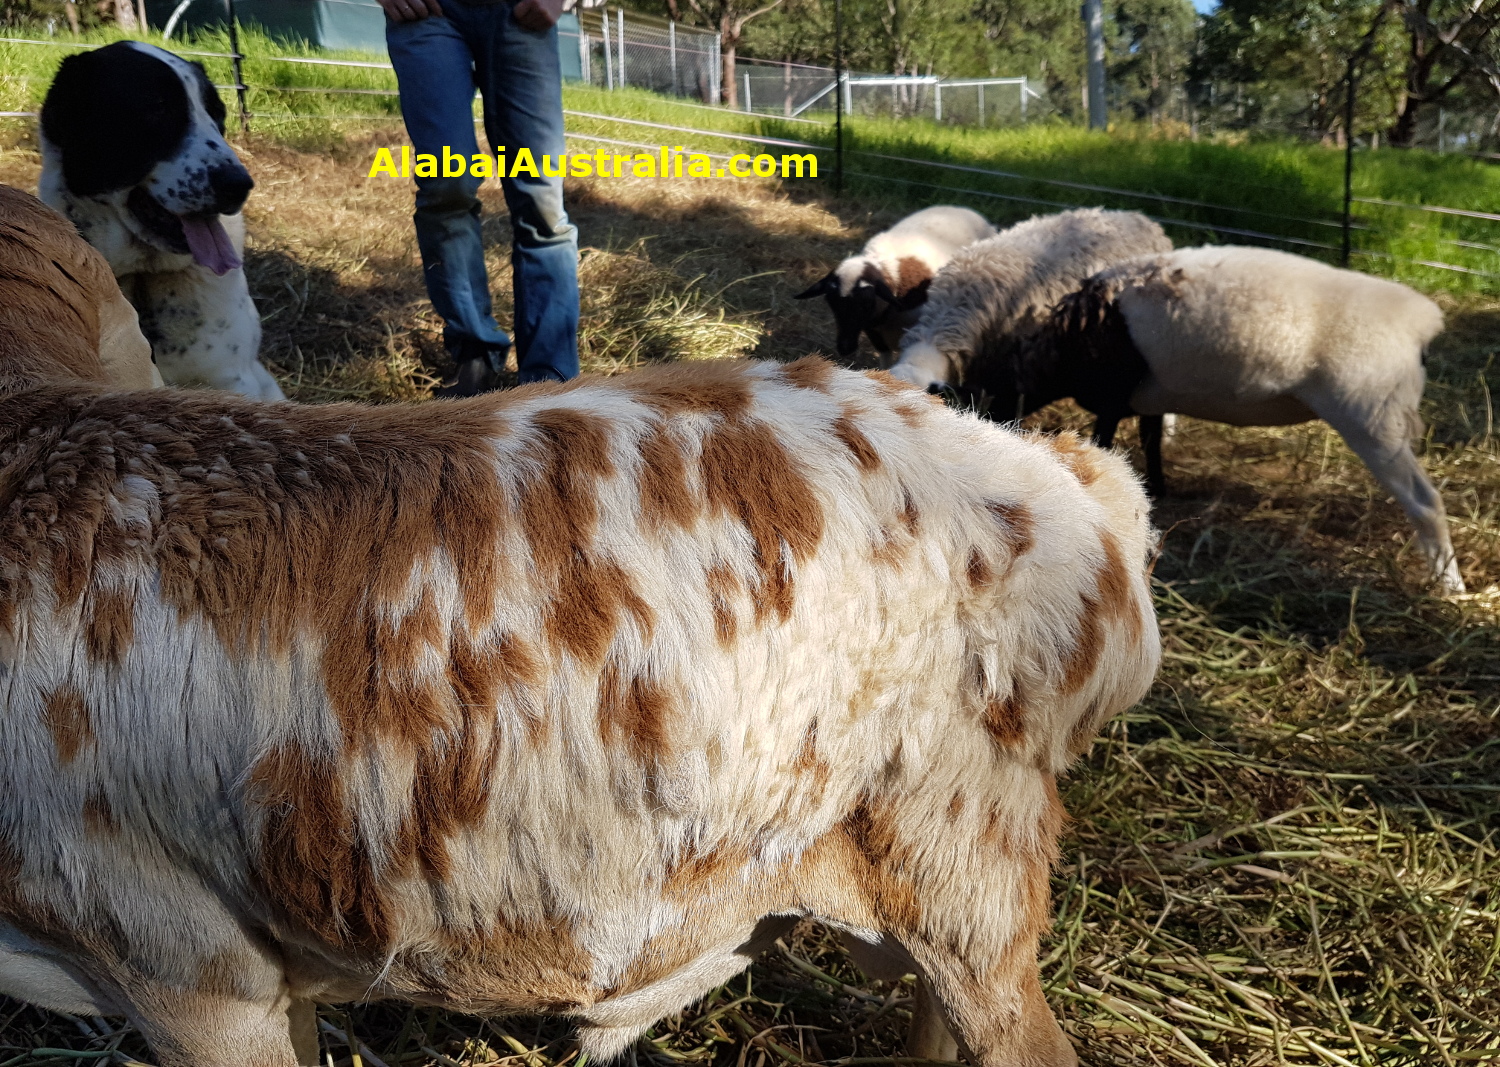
<point x="133" y="152"/>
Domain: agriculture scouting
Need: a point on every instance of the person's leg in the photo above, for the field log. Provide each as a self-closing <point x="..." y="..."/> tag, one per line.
<point x="434" y="69"/>
<point x="520" y="79"/>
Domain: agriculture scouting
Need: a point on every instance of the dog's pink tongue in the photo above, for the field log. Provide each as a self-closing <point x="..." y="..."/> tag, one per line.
<point x="210" y="244"/>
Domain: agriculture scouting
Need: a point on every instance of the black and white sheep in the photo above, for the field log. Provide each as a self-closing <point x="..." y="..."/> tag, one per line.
<point x="880" y="292"/>
<point x="994" y="297"/>
<point x="1249" y="337"/>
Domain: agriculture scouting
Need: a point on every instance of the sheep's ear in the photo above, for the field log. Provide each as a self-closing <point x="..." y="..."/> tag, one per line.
<point x="820" y="287"/>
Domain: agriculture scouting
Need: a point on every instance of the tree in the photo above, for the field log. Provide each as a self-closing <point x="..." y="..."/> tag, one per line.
<point x="1448" y="43"/>
<point x="1153" y="48"/>
<point x="730" y="18"/>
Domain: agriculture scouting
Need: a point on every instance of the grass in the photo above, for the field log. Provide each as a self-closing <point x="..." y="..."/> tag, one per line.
<point x="1287" y="854"/>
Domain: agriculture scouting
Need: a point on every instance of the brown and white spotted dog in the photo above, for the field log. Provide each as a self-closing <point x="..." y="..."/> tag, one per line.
<point x="562" y="701"/>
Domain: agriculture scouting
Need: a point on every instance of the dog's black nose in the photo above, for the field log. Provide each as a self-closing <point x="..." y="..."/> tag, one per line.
<point x="230" y="185"/>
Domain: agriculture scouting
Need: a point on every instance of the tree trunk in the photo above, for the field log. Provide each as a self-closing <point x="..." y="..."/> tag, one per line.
<point x="729" y="40"/>
<point x="125" y="15"/>
<point x="71" y="10"/>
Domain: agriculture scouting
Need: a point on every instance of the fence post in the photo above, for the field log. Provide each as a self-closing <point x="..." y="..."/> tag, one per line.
<point x="747" y="92"/>
<point x="609" y="59"/>
<point x="1348" y="159"/>
<point x="937" y="102"/>
<point x="838" y="96"/>
<point x="1023" y="100"/>
<point x="620" y="26"/>
<point x="239" y="74"/>
<point x="672" y="51"/>
<point x="1093" y="17"/>
<point x="981" y="103"/>
<point x="583" y="54"/>
<point x="716" y="77"/>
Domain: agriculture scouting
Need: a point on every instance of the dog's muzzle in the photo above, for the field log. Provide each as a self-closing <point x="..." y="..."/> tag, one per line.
<point x="231" y="185"/>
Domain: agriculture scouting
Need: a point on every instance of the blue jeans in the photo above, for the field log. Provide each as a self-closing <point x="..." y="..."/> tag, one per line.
<point x="439" y="62"/>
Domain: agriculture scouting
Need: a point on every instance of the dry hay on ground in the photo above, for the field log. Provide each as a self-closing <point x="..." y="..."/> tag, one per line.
<point x="1286" y="854"/>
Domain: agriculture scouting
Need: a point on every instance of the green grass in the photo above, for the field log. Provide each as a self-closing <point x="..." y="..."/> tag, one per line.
<point x="1272" y="186"/>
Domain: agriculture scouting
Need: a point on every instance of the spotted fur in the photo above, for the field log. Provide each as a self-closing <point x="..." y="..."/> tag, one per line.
<point x="562" y="701"/>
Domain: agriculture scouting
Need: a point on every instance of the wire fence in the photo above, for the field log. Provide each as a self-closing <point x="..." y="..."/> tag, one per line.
<point x="686" y="61"/>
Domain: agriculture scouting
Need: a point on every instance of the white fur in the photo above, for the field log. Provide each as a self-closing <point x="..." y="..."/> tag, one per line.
<point x="1256" y="337"/>
<point x="967" y="566"/>
<point x="933" y="235"/>
<point x="1002" y="288"/>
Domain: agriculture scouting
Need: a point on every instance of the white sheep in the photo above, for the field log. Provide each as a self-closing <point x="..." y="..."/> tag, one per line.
<point x="1250" y="337"/>
<point x="996" y="294"/>
<point x="880" y="292"/>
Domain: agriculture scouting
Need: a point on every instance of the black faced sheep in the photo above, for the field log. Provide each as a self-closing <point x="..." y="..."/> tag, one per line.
<point x="994" y="296"/>
<point x="1250" y="337"/>
<point x="880" y="291"/>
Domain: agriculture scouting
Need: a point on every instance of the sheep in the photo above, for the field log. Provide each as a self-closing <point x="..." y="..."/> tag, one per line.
<point x="880" y="292"/>
<point x="994" y="296"/>
<point x="566" y="700"/>
<point x="1250" y="337"/>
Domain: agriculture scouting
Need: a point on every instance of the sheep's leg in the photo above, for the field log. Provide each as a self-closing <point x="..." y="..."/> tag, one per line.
<point x="1104" y="430"/>
<point x="1396" y="468"/>
<point x="1151" y="430"/>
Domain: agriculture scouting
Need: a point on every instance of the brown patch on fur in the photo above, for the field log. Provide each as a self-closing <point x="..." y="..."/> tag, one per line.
<point x="911" y="273"/>
<point x="1076" y="454"/>
<point x="846" y="430"/>
<point x="559" y="506"/>
<point x="807" y="752"/>
<point x="499" y="966"/>
<point x="955" y="807"/>
<point x="978" y="570"/>
<point x="1112" y="581"/>
<point x="1005" y="720"/>
<point x="723" y="389"/>
<point x="586" y="611"/>
<point x="911" y="519"/>
<point x="66" y="715"/>
<point x="633" y="712"/>
<point x="1017" y="525"/>
<point x="696" y="870"/>
<point x="871" y="829"/>
<point x="51" y="293"/>
<point x="109" y="628"/>
<point x="666" y="498"/>
<point x="748" y="474"/>
<point x="891" y="387"/>
<point x="99" y="817"/>
<point x="316" y="867"/>
<point x="809" y="372"/>
<point x="889" y="547"/>
<point x="1078" y="666"/>
<point x="1111" y="602"/>
<point x="723" y="585"/>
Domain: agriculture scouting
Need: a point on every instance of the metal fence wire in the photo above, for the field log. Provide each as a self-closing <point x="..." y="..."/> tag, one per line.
<point x="616" y="51"/>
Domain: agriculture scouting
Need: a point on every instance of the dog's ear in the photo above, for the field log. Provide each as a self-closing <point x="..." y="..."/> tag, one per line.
<point x="824" y="285"/>
<point x="114" y="113"/>
<point x="212" y="103"/>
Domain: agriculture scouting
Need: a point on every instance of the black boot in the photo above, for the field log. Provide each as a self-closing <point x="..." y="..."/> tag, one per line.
<point x="479" y="368"/>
